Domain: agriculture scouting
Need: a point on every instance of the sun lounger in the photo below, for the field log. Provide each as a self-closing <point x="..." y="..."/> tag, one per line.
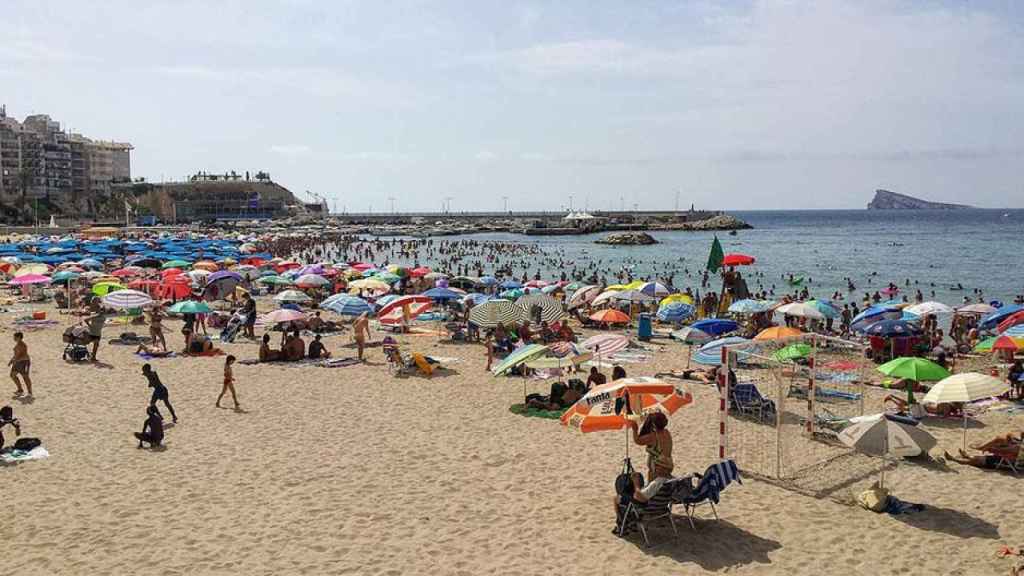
<point x="399" y="364"/>
<point x="748" y="401"/>
<point x="708" y="491"/>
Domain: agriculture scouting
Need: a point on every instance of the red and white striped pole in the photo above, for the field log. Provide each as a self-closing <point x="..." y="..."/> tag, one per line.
<point x="723" y="402"/>
<point x="810" y="386"/>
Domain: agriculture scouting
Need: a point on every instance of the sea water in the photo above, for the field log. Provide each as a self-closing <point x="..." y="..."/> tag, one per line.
<point x="934" y="249"/>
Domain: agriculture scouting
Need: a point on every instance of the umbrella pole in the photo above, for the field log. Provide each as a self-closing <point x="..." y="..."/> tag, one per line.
<point x="965" y="428"/>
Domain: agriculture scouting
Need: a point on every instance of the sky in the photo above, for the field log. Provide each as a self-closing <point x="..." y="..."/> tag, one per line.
<point x="541" y="105"/>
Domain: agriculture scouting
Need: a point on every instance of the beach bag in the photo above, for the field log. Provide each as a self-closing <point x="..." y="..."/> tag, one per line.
<point x="78" y="353"/>
<point x="624" y="481"/>
<point x="27" y="444"/>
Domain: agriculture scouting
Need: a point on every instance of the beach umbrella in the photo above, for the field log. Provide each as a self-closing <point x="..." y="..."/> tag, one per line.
<point x="293" y="296"/>
<point x="220" y="285"/>
<point x="691" y="335"/>
<point x="510" y="285"/>
<point x="928" y="308"/>
<point x="346" y="305"/>
<point x="28" y="279"/>
<point x="1015" y="331"/>
<point x="198" y="274"/>
<point x="312" y="281"/>
<point x="536" y="284"/>
<point x="1007" y="343"/>
<point x="174" y="287"/>
<point x="90" y="263"/>
<point x="275" y="281"/>
<point x="247" y="271"/>
<point x="654" y="289"/>
<point x="539" y="308"/>
<point x="404" y="309"/>
<point x="632" y="296"/>
<point x="801" y="309"/>
<point x="175" y="264"/>
<point x="715" y="326"/>
<point x="368" y="284"/>
<point x="65" y="276"/>
<point x="603" y="407"/>
<point x="886" y="435"/>
<point x="419" y="272"/>
<point x="206" y="265"/>
<point x="127" y="271"/>
<point x="442" y="294"/>
<point x="748" y="306"/>
<point x="492" y="313"/>
<point x="169" y="272"/>
<point x="999" y="315"/>
<point x="104" y="288"/>
<point x="737" y="260"/>
<point x="583" y="295"/>
<point x="778" y="333"/>
<point x="675" y="312"/>
<point x="604" y="345"/>
<point x="558" y="362"/>
<point x="190" y="307"/>
<point x="671" y="298"/>
<point x="914" y="368"/>
<point x="979" y="308"/>
<point x="792" y="352"/>
<point x="32" y="269"/>
<point x="892" y="328"/>
<point x="603" y="297"/>
<point x="435" y="276"/>
<point x="126" y="299"/>
<point x="282" y="315"/>
<point x="874" y="314"/>
<point x="827" y="309"/>
<point x="1010" y="321"/>
<point x="963" y="388"/>
<point x="476" y="298"/>
<point x="610" y="316"/>
<point x="519" y="356"/>
<point x="488" y="281"/>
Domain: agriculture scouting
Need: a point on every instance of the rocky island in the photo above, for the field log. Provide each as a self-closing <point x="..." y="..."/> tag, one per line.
<point x="886" y="200"/>
<point x="627" y="239"/>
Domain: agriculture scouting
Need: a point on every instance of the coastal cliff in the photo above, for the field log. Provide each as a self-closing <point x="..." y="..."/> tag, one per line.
<point x="886" y="200"/>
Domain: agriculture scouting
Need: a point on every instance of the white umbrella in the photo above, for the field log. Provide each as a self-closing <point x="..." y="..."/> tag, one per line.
<point x="886" y="435"/>
<point x="582" y="295"/>
<point x="927" y="308"/>
<point x="292" y="296"/>
<point x="801" y="309"/>
<point x="603" y="297"/>
<point x="983" y="309"/>
<point x="126" y="299"/>
<point x="965" y="387"/>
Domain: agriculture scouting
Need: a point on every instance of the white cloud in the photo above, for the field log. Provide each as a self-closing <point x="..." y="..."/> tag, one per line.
<point x="291" y="151"/>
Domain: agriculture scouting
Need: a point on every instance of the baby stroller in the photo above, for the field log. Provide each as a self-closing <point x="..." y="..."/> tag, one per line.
<point x="76" y="338"/>
<point x="233" y="326"/>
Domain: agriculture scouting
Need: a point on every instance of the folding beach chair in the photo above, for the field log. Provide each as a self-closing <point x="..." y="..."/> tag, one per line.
<point x="708" y="491"/>
<point x="747" y="400"/>
<point x="643" y="513"/>
<point x="1012" y="458"/>
<point x="399" y="363"/>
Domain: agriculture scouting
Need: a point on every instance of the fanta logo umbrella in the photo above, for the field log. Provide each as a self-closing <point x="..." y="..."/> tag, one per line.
<point x="602" y="409"/>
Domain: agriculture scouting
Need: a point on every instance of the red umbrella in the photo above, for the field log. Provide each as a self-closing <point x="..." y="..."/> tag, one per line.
<point x="737" y="260"/>
<point x="146" y="286"/>
<point x="171" y="272"/>
<point x="1005" y="343"/>
<point x="417" y="272"/>
<point x="174" y="287"/>
<point x="1011" y="321"/>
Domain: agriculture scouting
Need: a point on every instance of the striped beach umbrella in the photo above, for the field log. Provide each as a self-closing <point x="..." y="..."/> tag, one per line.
<point x="965" y="387"/>
<point x="675" y="312"/>
<point x="403" y="309"/>
<point x="346" y="305"/>
<point x="126" y="299"/>
<point x="603" y="407"/>
<point x="539" y="308"/>
<point x="605" y="344"/>
<point x="492" y="313"/>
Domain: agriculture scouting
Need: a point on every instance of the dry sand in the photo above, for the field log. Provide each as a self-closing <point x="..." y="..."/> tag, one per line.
<point x="349" y="470"/>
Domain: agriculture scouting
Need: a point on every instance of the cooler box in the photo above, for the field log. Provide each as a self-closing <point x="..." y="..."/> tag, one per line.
<point x="644" y="327"/>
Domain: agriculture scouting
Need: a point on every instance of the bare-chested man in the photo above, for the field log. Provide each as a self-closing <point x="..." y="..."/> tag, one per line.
<point x="20" y="364"/>
<point x="361" y="332"/>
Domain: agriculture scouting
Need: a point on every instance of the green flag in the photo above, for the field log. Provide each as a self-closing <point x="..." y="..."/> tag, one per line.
<point x="716" y="256"/>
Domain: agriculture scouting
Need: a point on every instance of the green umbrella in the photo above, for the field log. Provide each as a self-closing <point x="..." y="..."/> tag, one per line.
<point x="792" y="352"/>
<point x="104" y="288"/>
<point x="985" y="345"/>
<point x="913" y="368"/>
<point x="519" y="356"/>
<point x="388" y="277"/>
<point x="190" y="307"/>
<point x="277" y="280"/>
<point x="176" y="264"/>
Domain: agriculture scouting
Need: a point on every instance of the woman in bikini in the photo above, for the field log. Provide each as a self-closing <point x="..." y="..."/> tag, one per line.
<point x="656" y="438"/>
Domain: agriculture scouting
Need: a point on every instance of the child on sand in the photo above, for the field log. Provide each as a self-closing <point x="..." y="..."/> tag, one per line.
<point x="229" y="382"/>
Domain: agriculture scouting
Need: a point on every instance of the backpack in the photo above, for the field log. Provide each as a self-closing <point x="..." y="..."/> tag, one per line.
<point x="27" y="444"/>
<point x="624" y="481"/>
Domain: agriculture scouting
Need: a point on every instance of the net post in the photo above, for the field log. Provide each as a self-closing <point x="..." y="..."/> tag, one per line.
<point x="810" y="386"/>
<point x="723" y="401"/>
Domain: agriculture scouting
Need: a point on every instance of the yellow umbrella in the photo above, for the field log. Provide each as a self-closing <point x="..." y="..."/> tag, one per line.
<point x="31" y="269"/>
<point x="676" y="298"/>
<point x="370" y="284"/>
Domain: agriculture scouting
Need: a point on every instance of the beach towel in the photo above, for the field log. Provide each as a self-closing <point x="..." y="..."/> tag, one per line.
<point x="339" y="362"/>
<point x="171" y="354"/>
<point x="214" y="352"/>
<point x="17" y="456"/>
<point x="894" y="507"/>
<point x="523" y="410"/>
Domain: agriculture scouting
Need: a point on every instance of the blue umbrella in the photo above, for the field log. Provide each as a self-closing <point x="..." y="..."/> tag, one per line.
<point x="873" y="314"/>
<point x="488" y="280"/>
<point x="477" y="298"/>
<point x="891" y="328"/>
<point x="715" y="326"/>
<point x="675" y="312"/>
<point x="510" y="285"/>
<point x="346" y="305"/>
<point x="996" y="317"/>
<point x="748" y="306"/>
<point x="1015" y="331"/>
<point x="442" y="294"/>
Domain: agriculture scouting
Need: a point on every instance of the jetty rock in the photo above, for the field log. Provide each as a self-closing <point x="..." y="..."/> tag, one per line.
<point x="628" y="239"/>
<point x="886" y="200"/>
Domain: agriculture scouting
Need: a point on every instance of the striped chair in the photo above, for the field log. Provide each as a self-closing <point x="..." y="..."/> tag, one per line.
<point x="708" y="491"/>
<point x="642" y="513"/>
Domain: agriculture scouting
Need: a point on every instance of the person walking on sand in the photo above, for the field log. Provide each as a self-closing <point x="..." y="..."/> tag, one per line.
<point x="229" y="382"/>
<point x="20" y="364"/>
<point x="361" y="328"/>
<point x="95" y="321"/>
<point x="160" y="392"/>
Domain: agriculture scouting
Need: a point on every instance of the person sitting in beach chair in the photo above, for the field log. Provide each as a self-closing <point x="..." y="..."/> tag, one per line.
<point x="644" y="503"/>
<point x="400" y="364"/>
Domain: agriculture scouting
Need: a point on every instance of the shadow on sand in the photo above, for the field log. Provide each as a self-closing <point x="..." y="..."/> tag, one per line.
<point x="952" y="522"/>
<point x="714" y="545"/>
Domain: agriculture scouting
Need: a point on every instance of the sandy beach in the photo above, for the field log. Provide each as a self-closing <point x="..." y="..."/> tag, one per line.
<point x="352" y="470"/>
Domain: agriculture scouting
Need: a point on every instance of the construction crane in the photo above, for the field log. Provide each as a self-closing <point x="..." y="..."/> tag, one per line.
<point x="321" y="201"/>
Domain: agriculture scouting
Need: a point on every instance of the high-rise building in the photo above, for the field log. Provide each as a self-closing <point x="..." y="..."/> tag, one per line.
<point x="38" y="159"/>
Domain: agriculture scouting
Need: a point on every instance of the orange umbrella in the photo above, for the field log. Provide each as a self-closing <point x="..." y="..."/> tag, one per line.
<point x="610" y="316"/>
<point x="778" y="333"/>
<point x="596" y="410"/>
<point x="206" y="265"/>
